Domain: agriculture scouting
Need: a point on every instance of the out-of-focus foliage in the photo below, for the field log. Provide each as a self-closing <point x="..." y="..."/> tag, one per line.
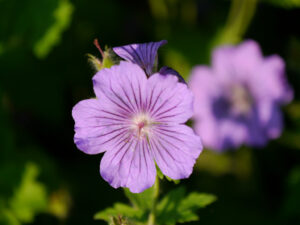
<point x="239" y="18"/>
<point x="36" y="98"/>
<point x="234" y="163"/>
<point x="291" y="204"/>
<point x="33" y="24"/>
<point x="28" y="199"/>
<point x="59" y="203"/>
<point x="284" y="3"/>
<point x="62" y="18"/>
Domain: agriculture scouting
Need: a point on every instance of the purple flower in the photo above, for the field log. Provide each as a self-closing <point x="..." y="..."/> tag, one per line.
<point x="238" y="100"/>
<point x="137" y="121"/>
<point x="145" y="55"/>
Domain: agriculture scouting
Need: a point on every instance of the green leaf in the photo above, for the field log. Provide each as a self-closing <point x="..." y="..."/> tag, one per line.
<point x="119" y="209"/>
<point x="197" y="200"/>
<point x="193" y="202"/>
<point x="142" y="200"/>
<point x="174" y="207"/>
<point x="284" y="3"/>
<point x="30" y="197"/>
<point x="167" y="208"/>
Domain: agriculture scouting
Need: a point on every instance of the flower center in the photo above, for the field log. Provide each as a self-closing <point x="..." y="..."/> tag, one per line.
<point x="141" y="125"/>
<point x="240" y="99"/>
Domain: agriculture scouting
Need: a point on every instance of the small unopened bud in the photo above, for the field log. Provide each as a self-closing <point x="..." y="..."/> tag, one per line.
<point x="109" y="58"/>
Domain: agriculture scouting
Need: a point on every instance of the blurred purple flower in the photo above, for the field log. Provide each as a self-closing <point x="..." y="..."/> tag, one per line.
<point x="137" y="121"/>
<point x="238" y="100"/>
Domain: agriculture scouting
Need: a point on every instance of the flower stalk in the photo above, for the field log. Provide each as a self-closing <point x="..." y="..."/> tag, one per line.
<point x="152" y="215"/>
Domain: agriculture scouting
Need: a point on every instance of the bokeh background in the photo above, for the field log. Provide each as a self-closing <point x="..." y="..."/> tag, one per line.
<point x="44" y="72"/>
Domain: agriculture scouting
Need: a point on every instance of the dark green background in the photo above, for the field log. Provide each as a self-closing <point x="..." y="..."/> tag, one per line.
<point x="37" y="95"/>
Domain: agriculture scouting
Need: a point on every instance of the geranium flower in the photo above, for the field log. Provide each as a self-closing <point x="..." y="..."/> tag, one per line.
<point x="145" y="55"/>
<point x="137" y="121"/>
<point x="238" y="99"/>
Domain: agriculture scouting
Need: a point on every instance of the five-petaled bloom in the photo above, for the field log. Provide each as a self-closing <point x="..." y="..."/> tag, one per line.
<point x="138" y="121"/>
<point x="238" y="100"/>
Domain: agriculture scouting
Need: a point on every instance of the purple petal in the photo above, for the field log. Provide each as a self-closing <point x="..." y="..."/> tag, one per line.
<point x="175" y="150"/>
<point x="168" y="101"/>
<point x="231" y="63"/>
<point x="141" y="54"/>
<point x="92" y="129"/>
<point x="270" y="81"/>
<point x="205" y="88"/>
<point x="169" y="71"/>
<point x="120" y="88"/>
<point x="271" y="118"/>
<point x="129" y="164"/>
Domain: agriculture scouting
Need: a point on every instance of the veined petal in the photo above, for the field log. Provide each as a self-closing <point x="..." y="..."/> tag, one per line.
<point x="141" y="54"/>
<point x="175" y="150"/>
<point x="94" y="130"/>
<point x="120" y="88"/>
<point x="129" y="165"/>
<point x="168" y="101"/>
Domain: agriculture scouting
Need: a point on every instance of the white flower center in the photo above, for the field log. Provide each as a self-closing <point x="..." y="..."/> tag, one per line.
<point x="240" y="100"/>
<point x="141" y="125"/>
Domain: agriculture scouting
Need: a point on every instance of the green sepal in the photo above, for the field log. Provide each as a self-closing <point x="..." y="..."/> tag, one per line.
<point x="109" y="58"/>
<point x="159" y="173"/>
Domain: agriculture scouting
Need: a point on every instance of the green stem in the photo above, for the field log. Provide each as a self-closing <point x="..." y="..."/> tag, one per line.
<point x="239" y="18"/>
<point x="152" y="215"/>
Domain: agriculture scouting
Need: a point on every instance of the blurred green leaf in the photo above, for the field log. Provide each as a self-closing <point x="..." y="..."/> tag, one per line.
<point x="240" y="16"/>
<point x="33" y="24"/>
<point x="291" y="203"/>
<point x="284" y="3"/>
<point x="175" y="207"/>
<point x="62" y="15"/>
<point x="119" y="209"/>
<point x="30" y="197"/>
<point x="7" y="217"/>
<point x="237" y="163"/>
